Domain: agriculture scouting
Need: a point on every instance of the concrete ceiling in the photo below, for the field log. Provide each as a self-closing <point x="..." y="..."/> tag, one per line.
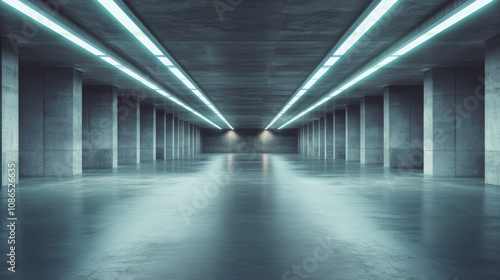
<point x="251" y="62"/>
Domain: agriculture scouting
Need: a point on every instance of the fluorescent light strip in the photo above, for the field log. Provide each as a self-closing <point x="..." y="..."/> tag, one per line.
<point x="72" y="36"/>
<point x="117" y="12"/>
<point x="374" y="16"/>
<point x="425" y="36"/>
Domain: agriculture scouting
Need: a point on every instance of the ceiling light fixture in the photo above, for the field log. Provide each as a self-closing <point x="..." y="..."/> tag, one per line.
<point x="338" y="51"/>
<point x="37" y="14"/>
<point x="461" y="12"/>
<point x="132" y="24"/>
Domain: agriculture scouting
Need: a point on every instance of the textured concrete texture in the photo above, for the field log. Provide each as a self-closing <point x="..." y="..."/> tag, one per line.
<point x="329" y="136"/>
<point x="148" y="133"/>
<point x="492" y="113"/>
<point x="50" y="122"/>
<point x="310" y="139"/>
<point x="316" y="137"/>
<point x="175" y="137"/>
<point x="372" y="130"/>
<point x="352" y="133"/>
<point x="339" y="134"/>
<point x="187" y="140"/>
<point x="161" y="134"/>
<point x="9" y="115"/>
<point x="129" y="125"/>
<point x="169" y="136"/>
<point x="404" y="127"/>
<point x="99" y="127"/>
<point x="255" y="217"/>
<point x="454" y="122"/>
<point x="322" y="136"/>
<point x="249" y="141"/>
<point x="180" y="138"/>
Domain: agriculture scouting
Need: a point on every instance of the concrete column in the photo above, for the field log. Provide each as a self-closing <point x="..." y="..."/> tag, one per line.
<point x="169" y="136"/>
<point x="193" y="139"/>
<point x="176" y="138"/>
<point x="352" y="133"/>
<point x="100" y="127"/>
<point x="372" y="130"/>
<point x="339" y="138"/>
<point x="492" y="127"/>
<point x="404" y="127"/>
<point x="161" y="134"/>
<point x="310" y="139"/>
<point x="322" y="136"/>
<point x="180" y="137"/>
<point x="9" y="117"/>
<point x="329" y="136"/>
<point x="51" y="122"/>
<point x="316" y="138"/>
<point x="129" y="125"/>
<point x="186" y="139"/>
<point x="148" y="133"/>
<point x="454" y="122"/>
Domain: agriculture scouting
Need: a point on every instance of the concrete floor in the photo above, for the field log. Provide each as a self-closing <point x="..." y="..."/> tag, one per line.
<point x="261" y="216"/>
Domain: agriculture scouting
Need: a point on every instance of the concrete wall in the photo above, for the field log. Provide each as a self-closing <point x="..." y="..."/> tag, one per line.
<point x="329" y="136"/>
<point x="161" y="134"/>
<point x="148" y="133"/>
<point x="249" y="141"/>
<point x="169" y="136"/>
<point x="322" y="138"/>
<point x="9" y="104"/>
<point x="492" y="112"/>
<point x="352" y="133"/>
<point x="339" y="136"/>
<point x="372" y="130"/>
<point x="129" y="147"/>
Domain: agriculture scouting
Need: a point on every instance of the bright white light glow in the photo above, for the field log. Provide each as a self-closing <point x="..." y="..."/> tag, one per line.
<point x="110" y="60"/>
<point x="465" y="12"/>
<point x="332" y="60"/>
<point x="128" y="23"/>
<point x="375" y="15"/>
<point x="320" y="72"/>
<point x="165" y="61"/>
<point x="310" y="84"/>
<point x="426" y="35"/>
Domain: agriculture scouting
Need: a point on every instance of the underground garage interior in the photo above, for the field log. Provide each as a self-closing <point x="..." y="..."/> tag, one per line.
<point x="250" y="139"/>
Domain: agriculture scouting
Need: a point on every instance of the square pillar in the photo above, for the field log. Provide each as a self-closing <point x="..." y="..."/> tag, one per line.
<point x="329" y="136"/>
<point x="50" y="122"/>
<point x="148" y="133"/>
<point x="310" y="139"/>
<point x="492" y="113"/>
<point x="180" y="139"/>
<point x="454" y="123"/>
<point x="9" y="117"/>
<point x="100" y="127"/>
<point x="322" y="149"/>
<point x="186" y="139"/>
<point x="316" y="137"/>
<point x="339" y="138"/>
<point x="175" y="137"/>
<point x="161" y="134"/>
<point x="129" y="128"/>
<point x="169" y="136"/>
<point x="404" y="127"/>
<point x="352" y="133"/>
<point x="372" y="130"/>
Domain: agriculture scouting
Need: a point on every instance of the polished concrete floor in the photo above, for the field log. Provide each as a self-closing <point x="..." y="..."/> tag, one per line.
<point x="255" y="217"/>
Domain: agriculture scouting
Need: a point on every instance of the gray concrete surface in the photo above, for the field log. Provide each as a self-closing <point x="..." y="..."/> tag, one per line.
<point x="352" y="133"/>
<point x="339" y="134"/>
<point x="372" y="130"/>
<point x="329" y="136"/>
<point x="129" y="128"/>
<point x="492" y="99"/>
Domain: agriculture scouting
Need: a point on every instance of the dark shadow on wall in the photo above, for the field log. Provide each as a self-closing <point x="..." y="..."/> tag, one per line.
<point x="249" y="141"/>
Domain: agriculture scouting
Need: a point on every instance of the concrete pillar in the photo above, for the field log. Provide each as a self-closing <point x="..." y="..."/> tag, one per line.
<point x="161" y="134"/>
<point x="322" y="135"/>
<point x="372" y="130"/>
<point x="148" y="133"/>
<point x="329" y="136"/>
<point x="9" y="117"/>
<point x="180" y="137"/>
<point x="310" y="139"/>
<point x="492" y="127"/>
<point x="193" y="139"/>
<point x="404" y="127"/>
<point x="352" y="133"/>
<point x="169" y="136"/>
<point x="51" y="122"/>
<point x="316" y="138"/>
<point x="186" y="139"/>
<point x="129" y="128"/>
<point x="339" y="138"/>
<point x="176" y="138"/>
<point x="454" y="122"/>
<point x="100" y="127"/>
